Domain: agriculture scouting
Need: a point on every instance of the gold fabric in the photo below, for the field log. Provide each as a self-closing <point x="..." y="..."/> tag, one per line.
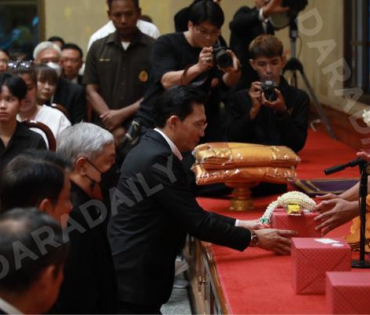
<point x="224" y="155"/>
<point x="278" y="175"/>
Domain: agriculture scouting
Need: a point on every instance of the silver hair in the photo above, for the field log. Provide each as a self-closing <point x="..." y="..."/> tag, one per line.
<point x="45" y="45"/>
<point x="83" y="140"/>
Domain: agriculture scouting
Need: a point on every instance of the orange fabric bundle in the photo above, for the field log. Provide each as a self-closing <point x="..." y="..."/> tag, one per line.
<point x="277" y="175"/>
<point x="354" y="237"/>
<point x="223" y="155"/>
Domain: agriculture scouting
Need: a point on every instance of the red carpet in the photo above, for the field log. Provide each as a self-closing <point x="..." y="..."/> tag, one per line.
<point x="257" y="281"/>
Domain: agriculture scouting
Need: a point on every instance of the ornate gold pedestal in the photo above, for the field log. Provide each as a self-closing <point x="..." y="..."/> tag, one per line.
<point x="241" y="200"/>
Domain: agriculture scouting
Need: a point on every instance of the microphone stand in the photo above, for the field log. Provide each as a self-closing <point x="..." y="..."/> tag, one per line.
<point x="365" y="171"/>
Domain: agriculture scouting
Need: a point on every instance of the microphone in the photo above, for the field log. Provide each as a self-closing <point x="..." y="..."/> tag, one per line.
<point x="334" y="169"/>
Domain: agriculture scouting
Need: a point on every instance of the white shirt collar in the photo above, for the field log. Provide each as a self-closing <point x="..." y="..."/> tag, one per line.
<point x="173" y="147"/>
<point x="8" y="308"/>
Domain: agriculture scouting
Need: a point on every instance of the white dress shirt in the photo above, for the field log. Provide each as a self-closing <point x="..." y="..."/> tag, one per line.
<point x="173" y="147"/>
<point x="144" y="27"/>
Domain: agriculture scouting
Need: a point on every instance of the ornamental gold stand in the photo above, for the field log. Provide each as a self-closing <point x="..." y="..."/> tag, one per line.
<point x="241" y="196"/>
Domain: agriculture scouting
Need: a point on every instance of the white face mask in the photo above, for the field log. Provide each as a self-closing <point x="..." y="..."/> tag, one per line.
<point x="55" y="66"/>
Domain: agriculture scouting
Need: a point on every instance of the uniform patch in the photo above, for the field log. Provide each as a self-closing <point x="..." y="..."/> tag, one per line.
<point x="143" y="76"/>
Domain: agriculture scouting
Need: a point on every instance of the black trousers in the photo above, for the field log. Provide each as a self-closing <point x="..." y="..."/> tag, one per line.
<point x="129" y="308"/>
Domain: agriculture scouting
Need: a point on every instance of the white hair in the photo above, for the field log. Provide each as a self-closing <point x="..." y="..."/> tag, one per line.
<point x="46" y="45"/>
<point x="83" y="140"/>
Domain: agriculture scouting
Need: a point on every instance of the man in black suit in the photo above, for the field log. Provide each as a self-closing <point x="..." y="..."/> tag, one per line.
<point x="246" y="25"/>
<point x="69" y="95"/>
<point x="32" y="254"/>
<point x="72" y="62"/>
<point x="153" y="208"/>
<point x="73" y="98"/>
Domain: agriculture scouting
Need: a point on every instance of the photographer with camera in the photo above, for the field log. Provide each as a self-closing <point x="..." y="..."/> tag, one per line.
<point x="246" y="25"/>
<point x="188" y="58"/>
<point x="271" y="112"/>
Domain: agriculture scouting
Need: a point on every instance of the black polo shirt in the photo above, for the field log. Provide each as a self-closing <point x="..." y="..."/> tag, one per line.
<point x="121" y="75"/>
<point x="22" y="139"/>
<point x="172" y="52"/>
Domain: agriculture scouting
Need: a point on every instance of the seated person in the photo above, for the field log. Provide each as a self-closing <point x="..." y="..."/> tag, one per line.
<point x="14" y="137"/>
<point x="338" y="209"/>
<point x="72" y="62"/>
<point x="89" y="270"/>
<point x="32" y="288"/>
<point x="275" y="117"/>
<point x="47" y="80"/>
<point x="30" y="110"/>
<point x="4" y="59"/>
<point x="41" y="179"/>
<point x="68" y="94"/>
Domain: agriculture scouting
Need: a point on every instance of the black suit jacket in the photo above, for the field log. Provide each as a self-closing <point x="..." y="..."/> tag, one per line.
<point x="246" y="26"/>
<point x="73" y="97"/>
<point x="89" y="285"/>
<point x="156" y="210"/>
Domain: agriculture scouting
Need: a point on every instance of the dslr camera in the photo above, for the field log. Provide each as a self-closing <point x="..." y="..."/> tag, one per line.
<point x="222" y="58"/>
<point x="268" y="88"/>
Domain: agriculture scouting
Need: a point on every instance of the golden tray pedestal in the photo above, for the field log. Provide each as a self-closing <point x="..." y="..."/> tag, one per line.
<point x="241" y="196"/>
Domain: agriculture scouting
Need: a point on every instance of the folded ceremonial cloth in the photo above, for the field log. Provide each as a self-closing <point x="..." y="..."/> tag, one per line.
<point x="313" y="257"/>
<point x="229" y="155"/>
<point x="348" y="292"/>
<point x="304" y="224"/>
<point x="277" y="175"/>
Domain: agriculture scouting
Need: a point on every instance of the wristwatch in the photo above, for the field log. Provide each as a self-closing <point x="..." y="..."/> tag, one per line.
<point x="254" y="239"/>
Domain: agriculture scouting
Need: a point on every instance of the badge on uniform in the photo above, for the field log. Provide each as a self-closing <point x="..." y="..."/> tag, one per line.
<point x="143" y="76"/>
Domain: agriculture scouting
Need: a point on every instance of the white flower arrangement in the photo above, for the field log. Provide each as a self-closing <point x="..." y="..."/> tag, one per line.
<point x="366" y="117"/>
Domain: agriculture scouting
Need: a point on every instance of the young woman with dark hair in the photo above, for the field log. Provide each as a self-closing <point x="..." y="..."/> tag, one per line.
<point x="14" y="137"/>
<point x="31" y="109"/>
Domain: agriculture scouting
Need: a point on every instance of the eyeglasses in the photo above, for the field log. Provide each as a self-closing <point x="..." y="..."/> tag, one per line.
<point x="205" y="33"/>
<point x="20" y="64"/>
<point x="200" y="125"/>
